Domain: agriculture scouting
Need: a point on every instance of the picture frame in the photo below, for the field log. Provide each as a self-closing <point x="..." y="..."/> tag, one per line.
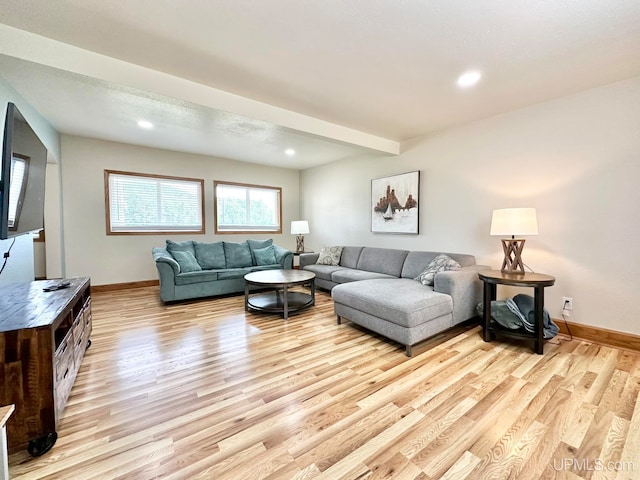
<point x="395" y="204"/>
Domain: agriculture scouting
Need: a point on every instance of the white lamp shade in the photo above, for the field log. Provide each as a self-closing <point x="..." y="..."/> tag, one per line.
<point x="514" y="221"/>
<point x="299" y="227"/>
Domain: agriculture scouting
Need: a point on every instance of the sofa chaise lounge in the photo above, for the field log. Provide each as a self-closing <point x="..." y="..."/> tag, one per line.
<point x="192" y="269"/>
<point x="377" y="289"/>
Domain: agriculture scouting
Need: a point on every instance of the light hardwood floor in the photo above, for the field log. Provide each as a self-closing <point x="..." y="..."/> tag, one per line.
<point x="202" y="390"/>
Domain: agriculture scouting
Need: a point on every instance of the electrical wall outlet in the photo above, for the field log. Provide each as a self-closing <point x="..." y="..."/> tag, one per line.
<point x="567" y="306"/>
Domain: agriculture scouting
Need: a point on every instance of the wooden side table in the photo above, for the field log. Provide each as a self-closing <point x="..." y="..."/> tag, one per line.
<point x="538" y="281"/>
<point x="5" y="413"/>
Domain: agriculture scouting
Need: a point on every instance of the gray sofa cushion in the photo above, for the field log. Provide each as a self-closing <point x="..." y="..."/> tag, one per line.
<point x="210" y="256"/>
<point x="237" y="255"/>
<point x="402" y="301"/>
<point x="350" y="256"/>
<point x="382" y="260"/>
<point x="323" y="271"/>
<point x="352" y="275"/>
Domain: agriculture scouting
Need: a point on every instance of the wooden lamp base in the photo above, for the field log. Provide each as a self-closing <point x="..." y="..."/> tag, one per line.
<point x="299" y="244"/>
<point x="512" y="248"/>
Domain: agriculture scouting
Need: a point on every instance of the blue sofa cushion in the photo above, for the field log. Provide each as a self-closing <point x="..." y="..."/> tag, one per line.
<point x="210" y="256"/>
<point x="237" y="255"/>
<point x="265" y="256"/>
<point x="187" y="261"/>
<point x="233" y="273"/>
<point x="256" y="245"/>
<point x="186" y="246"/>
<point x="191" y="278"/>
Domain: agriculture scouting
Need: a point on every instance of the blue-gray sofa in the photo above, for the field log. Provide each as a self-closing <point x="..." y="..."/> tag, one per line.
<point x="377" y="289"/>
<point x="192" y="269"/>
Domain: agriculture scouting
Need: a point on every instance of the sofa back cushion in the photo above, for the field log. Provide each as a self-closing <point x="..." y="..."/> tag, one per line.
<point x="416" y="262"/>
<point x="210" y="256"/>
<point x="257" y="245"/>
<point x="237" y="255"/>
<point x="382" y="260"/>
<point x="185" y="246"/>
<point x="350" y="256"/>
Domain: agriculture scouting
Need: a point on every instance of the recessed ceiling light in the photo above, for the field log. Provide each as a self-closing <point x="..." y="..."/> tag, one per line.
<point x="145" y="124"/>
<point x="290" y="152"/>
<point x="469" y="79"/>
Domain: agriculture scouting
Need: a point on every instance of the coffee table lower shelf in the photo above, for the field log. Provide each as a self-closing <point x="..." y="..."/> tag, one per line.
<point x="273" y="293"/>
<point x="273" y="302"/>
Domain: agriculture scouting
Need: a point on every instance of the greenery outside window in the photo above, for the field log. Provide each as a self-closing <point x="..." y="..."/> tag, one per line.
<point x="240" y="207"/>
<point x="139" y="204"/>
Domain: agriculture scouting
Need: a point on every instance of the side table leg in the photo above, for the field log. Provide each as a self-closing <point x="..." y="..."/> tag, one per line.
<point x="538" y="307"/>
<point x="246" y="297"/>
<point x="489" y="294"/>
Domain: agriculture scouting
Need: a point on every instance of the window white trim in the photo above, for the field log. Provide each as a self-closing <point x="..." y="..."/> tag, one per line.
<point x="140" y="203"/>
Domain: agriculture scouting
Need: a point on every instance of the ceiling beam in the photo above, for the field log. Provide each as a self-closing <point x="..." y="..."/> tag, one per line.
<point x="45" y="51"/>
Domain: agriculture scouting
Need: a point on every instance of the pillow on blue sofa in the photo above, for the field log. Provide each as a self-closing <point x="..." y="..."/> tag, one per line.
<point x="439" y="264"/>
<point x="237" y="255"/>
<point x="187" y="262"/>
<point x="210" y="256"/>
<point x="255" y="245"/>
<point x="186" y="246"/>
<point x="265" y="256"/>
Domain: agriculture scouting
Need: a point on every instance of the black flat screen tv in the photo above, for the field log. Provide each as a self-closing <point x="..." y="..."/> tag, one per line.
<point x="22" y="177"/>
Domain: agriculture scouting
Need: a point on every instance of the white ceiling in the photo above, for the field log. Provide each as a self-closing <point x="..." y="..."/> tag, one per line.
<point x="245" y="79"/>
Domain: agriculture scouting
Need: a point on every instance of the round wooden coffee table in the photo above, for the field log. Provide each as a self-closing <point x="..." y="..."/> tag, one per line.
<point x="279" y="299"/>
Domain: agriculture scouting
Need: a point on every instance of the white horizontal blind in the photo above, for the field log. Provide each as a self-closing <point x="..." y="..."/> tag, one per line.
<point x="145" y="204"/>
<point x="17" y="185"/>
<point x="247" y="208"/>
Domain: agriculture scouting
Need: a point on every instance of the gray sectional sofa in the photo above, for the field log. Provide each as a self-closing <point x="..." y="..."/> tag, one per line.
<point x="376" y="288"/>
<point x="191" y="269"/>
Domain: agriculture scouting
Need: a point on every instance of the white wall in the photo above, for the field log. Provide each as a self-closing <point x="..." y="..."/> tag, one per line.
<point x="575" y="159"/>
<point x="110" y="259"/>
<point x="20" y="265"/>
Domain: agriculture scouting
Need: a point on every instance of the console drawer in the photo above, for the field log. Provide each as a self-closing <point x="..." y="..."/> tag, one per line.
<point x="63" y="359"/>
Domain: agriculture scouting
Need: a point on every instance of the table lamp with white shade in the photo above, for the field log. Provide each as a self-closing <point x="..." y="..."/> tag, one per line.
<point x="299" y="228"/>
<point x="516" y="222"/>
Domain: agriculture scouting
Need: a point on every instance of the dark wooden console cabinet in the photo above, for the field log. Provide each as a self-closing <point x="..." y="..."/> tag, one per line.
<point x="43" y="338"/>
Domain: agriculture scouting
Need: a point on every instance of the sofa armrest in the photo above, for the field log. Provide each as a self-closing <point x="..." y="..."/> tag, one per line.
<point x="284" y="257"/>
<point x="465" y="289"/>
<point x="308" y="259"/>
<point x="161" y="255"/>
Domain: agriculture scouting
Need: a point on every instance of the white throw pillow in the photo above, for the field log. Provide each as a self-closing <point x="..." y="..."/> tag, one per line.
<point x="329" y="256"/>
<point x="439" y="264"/>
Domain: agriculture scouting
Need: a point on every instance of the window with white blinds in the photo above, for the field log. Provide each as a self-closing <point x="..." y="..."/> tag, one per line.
<point x="140" y="203"/>
<point x="241" y="207"/>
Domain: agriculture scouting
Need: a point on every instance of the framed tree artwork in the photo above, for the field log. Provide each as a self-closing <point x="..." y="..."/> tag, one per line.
<point x="395" y="203"/>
